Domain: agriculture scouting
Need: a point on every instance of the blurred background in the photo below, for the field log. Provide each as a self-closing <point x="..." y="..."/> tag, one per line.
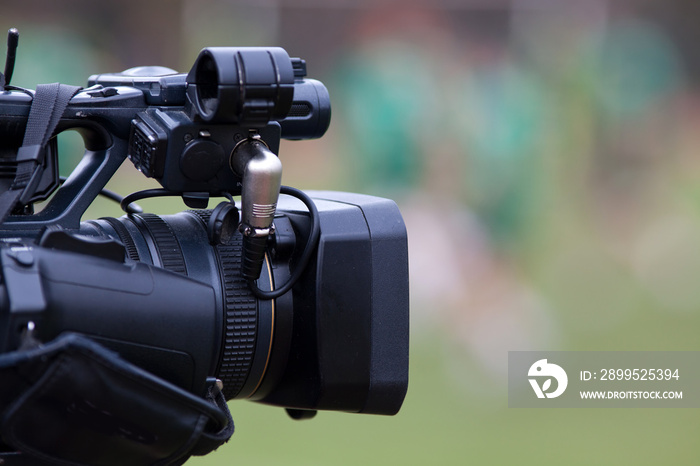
<point x="546" y="158"/>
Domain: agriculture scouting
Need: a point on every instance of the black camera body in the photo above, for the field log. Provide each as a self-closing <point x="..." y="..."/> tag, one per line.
<point x="300" y="303"/>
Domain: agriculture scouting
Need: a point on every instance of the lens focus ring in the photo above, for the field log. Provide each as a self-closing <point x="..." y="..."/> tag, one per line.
<point x="241" y="315"/>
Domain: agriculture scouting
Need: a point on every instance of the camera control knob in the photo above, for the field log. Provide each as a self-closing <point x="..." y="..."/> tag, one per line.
<point x="103" y="92"/>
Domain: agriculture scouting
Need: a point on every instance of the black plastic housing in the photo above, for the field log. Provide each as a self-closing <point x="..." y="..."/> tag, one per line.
<point x="178" y="307"/>
<point x="351" y="319"/>
<point x="164" y="292"/>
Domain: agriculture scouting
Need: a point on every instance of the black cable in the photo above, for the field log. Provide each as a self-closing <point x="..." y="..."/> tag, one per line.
<point x="145" y="194"/>
<point x="158" y="192"/>
<point x="131" y="208"/>
<point x="311" y="243"/>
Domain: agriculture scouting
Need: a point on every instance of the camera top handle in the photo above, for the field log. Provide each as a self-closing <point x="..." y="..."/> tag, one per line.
<point x="105" y="150"/>
<point x="180" y="129"/>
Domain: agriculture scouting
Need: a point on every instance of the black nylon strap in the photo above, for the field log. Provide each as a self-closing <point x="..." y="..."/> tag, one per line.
<point x="210" y="441"/>
<point x="50" y="101"/>
<point x="74" y="403"/>
<point x="49" y="104"/>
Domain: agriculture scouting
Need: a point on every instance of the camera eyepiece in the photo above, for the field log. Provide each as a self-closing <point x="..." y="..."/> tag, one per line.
<point x="243" y="85"/>
<point x="207" y="89"/>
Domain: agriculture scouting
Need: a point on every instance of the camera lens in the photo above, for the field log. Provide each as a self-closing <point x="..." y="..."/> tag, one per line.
<point x="179" y="308"/>
<point x="245" y="326"/>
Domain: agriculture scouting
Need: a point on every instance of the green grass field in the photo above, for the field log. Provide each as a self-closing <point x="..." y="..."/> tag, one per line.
<point x="445" y="421"/>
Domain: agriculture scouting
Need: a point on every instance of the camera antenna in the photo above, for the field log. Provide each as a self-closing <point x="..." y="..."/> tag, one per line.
<point x="12" y="43"/>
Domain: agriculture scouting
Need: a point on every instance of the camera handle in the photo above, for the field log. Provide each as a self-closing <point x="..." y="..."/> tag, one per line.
<point x="104" y="154"/>
<point x="48" y="105"/>
<point x="104" y="406"/>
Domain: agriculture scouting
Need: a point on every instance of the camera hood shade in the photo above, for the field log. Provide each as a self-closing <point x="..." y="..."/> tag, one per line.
<point x="248" y="86"/>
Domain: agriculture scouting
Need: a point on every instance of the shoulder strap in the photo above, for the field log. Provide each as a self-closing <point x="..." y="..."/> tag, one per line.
<point x="50" y="101"/>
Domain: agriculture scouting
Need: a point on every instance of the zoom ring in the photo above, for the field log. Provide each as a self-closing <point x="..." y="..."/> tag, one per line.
<point x="132" y="251"/>
<point x="241" y="313"/>
<point x="167" y="244"/>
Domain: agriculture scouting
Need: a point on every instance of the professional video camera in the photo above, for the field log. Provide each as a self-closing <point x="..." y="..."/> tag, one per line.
<point x="122" y="338"/>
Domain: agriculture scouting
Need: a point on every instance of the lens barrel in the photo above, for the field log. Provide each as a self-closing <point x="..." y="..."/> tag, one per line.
<point x="337" y="341"/>
<point x="246" y="326"/>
